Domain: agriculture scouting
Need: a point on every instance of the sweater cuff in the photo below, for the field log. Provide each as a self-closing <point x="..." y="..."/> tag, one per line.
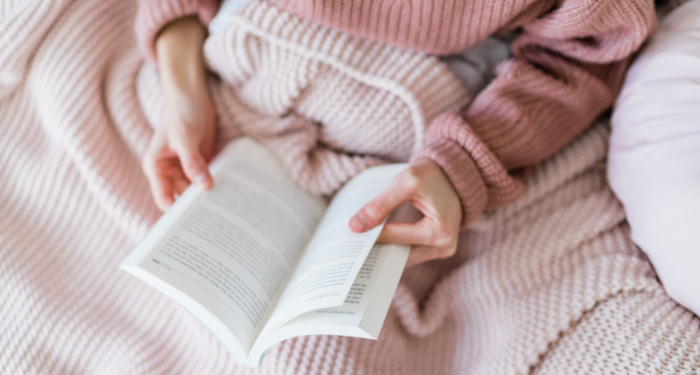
<point x="153" y="15"/>
<point x="462" y="173"/>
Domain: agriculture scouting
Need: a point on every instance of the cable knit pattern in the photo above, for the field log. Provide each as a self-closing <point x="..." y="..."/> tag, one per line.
<point x="568" y="65"/>
<point x="550" y="284"/>
<point x="327" y="95"/>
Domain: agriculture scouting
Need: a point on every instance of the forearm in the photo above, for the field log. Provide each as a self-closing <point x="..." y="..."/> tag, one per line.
<point x="540" y="100"/>
<point x="527" y="115"/>
<point x="523" y="117"/>
<point x="183" y="142"/>
<point x="153" y="16"/>
<point x="180" y="57"/>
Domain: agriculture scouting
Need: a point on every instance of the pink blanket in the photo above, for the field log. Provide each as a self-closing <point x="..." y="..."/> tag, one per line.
<point x="551" y="284"/>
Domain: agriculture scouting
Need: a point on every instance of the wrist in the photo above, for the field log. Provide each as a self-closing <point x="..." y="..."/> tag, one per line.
<point x="179" y="49"/>
<point x="462" y="173"/>
<point x="188" y="92"/>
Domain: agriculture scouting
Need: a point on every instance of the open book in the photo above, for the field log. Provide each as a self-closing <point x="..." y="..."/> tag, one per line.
<point x="257" y="260"/>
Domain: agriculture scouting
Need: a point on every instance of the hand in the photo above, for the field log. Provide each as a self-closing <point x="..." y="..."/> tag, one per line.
<point x="183" y="143"/>
<point x="181" y="147"/>
<point x="427" y="187"/>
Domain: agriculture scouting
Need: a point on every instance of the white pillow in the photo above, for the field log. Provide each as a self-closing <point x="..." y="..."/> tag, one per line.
<point x="654" y="158"/>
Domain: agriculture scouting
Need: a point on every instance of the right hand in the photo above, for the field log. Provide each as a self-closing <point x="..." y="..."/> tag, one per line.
<point x="183" y="144"/>
<point x="426" y="186"/>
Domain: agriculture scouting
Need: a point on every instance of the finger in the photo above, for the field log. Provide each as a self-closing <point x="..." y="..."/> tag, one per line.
<point x="161" y="188"/>
<point x="193" y="163"/>
<point x="405" y="233"/>
<point x="420" y="254"/>
<point x="373" y="213"/>
<point x="163" y="194"/>
<point x="180" y="185"/>
<point x="428" y="231"/>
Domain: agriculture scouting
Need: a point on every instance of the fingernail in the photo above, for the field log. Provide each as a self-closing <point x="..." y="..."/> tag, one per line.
<point x="203" y="180"/>
<point x="358" y="222"/>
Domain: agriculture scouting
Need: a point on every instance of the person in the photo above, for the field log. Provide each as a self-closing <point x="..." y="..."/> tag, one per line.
<point x="567" y="65"/>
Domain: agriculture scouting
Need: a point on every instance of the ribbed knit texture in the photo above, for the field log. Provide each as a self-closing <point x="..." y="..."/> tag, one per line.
<point x="283" y="76"/>
<point x="567" y="68"/>
<point x="371" y="100"/>
<point x="568" y="65"/>
<point x="551" y="283"/>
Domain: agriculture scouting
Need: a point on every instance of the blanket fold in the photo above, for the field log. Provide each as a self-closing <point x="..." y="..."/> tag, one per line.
<point x="551" y="284"/>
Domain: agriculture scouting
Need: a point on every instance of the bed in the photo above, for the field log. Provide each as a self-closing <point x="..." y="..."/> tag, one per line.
<point x="549" y="285"/>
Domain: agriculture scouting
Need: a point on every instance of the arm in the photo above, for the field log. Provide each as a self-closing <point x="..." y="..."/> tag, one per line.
<point x="183" y="143"/>
<point x="567" y="69"/>
<point x="565" y="72"/>
<point x="172" y="33"/>
<point x="153" y="15"/>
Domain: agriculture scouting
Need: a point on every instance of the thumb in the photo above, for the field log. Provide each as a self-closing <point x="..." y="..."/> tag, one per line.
<point x="193" y="163"/>
<point x="374" y="212"/>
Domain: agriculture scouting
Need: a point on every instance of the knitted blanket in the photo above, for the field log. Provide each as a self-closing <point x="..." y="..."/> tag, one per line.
<point x="549" y="285"/>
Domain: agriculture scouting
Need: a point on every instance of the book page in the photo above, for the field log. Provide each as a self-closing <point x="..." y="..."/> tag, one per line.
<point x="351" y="312"/>
<point x="234" y="247"/>
<point x="363" y="311"/>
<point x="335" y="255"/>
<point x="368" y="300"/>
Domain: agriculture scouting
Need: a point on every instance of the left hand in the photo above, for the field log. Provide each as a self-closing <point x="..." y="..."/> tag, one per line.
<point x="427" y="187"/>
<point x="183" y="144"/>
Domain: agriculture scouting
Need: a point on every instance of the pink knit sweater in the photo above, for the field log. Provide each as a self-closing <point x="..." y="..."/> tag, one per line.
<point x="548" y="285"/>
<point x="567" y="68"/>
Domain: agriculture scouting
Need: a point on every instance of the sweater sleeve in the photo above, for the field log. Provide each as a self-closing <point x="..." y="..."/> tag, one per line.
<point x="153" y="15"/>
<point x="567" y="69"/>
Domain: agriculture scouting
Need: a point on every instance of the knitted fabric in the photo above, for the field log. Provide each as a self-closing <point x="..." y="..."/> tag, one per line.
<point x="567" y="66"/>
<point x="550" y="284"/>
<point x="330" y="105"/>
